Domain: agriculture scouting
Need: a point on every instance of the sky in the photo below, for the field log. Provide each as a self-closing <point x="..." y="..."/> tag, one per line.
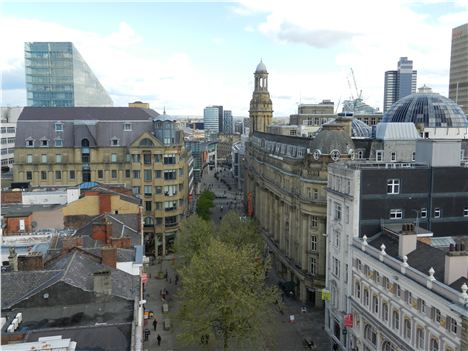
<point x="185" y="56"/>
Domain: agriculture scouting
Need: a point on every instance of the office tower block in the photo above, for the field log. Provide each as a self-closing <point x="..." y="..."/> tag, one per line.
<point x="228" y="127"/>
<point x="458" y="86"/>
<point x="399" y="83"/>
<point x="211" y="120"/>
<point x="58" y="76"/>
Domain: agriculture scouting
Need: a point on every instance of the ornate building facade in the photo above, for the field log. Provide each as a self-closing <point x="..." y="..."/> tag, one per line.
<point x="132" y="147"/>
<point x="261" y="107"/>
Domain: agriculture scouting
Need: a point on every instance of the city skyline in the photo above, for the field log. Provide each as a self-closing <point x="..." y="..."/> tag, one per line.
<point x="186" y="56"/>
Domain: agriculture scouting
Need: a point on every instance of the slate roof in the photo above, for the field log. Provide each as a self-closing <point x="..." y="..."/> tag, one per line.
<point x="75" y="268"/>
<point x="285" y="139"/>
<point x="123" y="255"/>
<point x="97" y="124"/>
<point x="115" y="337"/>
<point x="457" y="284"/>
<point x="86" y="113"/>
<point x="423" y="258"/>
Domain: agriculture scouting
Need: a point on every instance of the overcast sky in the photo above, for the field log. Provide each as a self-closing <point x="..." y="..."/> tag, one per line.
<point x="188" y="55"/>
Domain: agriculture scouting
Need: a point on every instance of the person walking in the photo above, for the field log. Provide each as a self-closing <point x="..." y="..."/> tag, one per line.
<point x="155" y="324"/>
<point x="159" y="340"/>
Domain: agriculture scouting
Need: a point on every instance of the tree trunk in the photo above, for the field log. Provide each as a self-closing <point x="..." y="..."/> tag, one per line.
<point x="225" y="337"/>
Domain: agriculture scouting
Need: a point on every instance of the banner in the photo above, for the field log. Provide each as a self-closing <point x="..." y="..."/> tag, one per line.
<point x="348" y="320"/>
<point x="326" y="295"/>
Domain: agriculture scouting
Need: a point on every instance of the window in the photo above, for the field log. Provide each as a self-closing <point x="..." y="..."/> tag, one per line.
<point x="44" y="158"/>
<point x="388" y="346"/>
<point x="59" y="127"/>
<point x="358" y="264"/>
<point x="136" y="190"/>
<point x="181" y="172"/>
<point x="44" y="143"/>
<point x="396" y="214"/>
<point x="114" y="174"/>
<point x="408" y="297"/>
<point x="313" y="243"/>
<point x="114" y="158"/>
<point x="465" y="212"/>
<point x="385" y="282"/>
<point x="127" y="173"/>
<point x="357" y="290"/>
<point x="136" y="158"/>
<point x="170" y="174"/>
<point x="10" y="129"/>
<point x="58" y="158"/>
<point x="379" y="155"/>
<point x="313" y="265"/>
<point x="159" y="220"/>
<point x="147" y="189"/>
<point x="148" y="222"/>
<point x="375" y="304"/>
<point x="100" y="173"/>
<point x="397" y="290"/>
<point x="159" y="205"/>
<point x="385" y="312"/>
<point x="29" y="143"/>
<point x="157" y="158"/>
<point x="366" y="297"/>
<point x="157" y="174"/>
<point x="407" y="329"/>
<point x="360" y="154"/>
<point x="147" y="158"/>
<point x="451" y="324"/>
<point x="393" y="186"/>
<point x="170" y="190"/>
<point x="29" y="158"/>
<point x="336" y="238"/>
<point x="127" y="127"/>
<point x="393" y="156"/>
<point x="43" y="175"/>
<point x="370" y="334"/>
<point x="146" y="142"/>
<point x="136" y="174"/>
<point x="147" y="175"/>
<point x="347" y="214"/>
<point x="72" y="174"/>
<point x="396" y="320"/>
<point x="413" y="156"/>
<point x="170" y="205"/>
<point x="158" y="189"/>
<point x="437" y="213"/>
<point x="423" y="213"/>
<point x="181" y="187"/>
<point x="337" y="212"/>
<point x="336" y="267"/>
<point x="28" y="175"/>
<point x="148" y="206"/>
<point x="58" y="142"/>
<point x="114" y="142"/>
<point x="421" y="305"/>
<point x="420" y="338"/>
<point x="58" y="175"/>
<point x="313" y="221"/>
<point x="434" y="345"/>
<point x="170" y="159"/>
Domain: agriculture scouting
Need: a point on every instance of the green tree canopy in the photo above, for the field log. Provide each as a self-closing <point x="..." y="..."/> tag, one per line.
<point x="239" y="232"/>
<point x="204" y="204"/>
<point x="224" y="294"/>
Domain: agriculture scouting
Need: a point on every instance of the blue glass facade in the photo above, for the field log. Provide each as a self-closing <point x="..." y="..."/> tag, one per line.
<point x="57" y="76"/>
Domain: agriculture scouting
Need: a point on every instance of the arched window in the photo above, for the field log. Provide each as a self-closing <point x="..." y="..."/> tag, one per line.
<point x="434" y="345"/>
<point x="420" y="338"/>
<point x="85" y="142"/>
<point x="149" y="222"/>
<point x="370" y="334"/>
<point x="366" y="297"/>
<point x="407" y="329"/>
<point x="146" y="142"/>
<point x="375" y="304"/>
<point x="388" y="346"/>
<point x="358" y="290"/>
<point x="385" y="312"/>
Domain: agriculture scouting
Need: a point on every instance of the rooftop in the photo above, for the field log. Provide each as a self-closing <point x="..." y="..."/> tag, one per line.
<point x="86" y="113"/>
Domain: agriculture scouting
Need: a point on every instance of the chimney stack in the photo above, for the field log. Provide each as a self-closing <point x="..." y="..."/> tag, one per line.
<point x="13" y="259"/>
<point x="456" y="263"/>
<point x="105" y="203"/>
<point x="31" y="262"/>
<point x="102" y="231"/>
<point x="407" y="239"/>
<point x="109" y="256"/>
<point x="102" y="282"/>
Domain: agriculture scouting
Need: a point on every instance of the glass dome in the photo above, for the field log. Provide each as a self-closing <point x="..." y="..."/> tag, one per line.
<point x="431" y="109"/>
<point x="360" y="129"/>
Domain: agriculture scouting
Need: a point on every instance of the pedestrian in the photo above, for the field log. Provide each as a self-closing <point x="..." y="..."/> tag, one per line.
<point x="159" y="340"/>
<point x="147" y="334"/>
<point x="155" y="324"/>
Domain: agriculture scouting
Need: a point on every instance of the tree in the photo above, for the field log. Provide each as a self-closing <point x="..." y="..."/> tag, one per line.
<point x="204" y="204"/>
<point x="224" y="295"/>
<point x="194" y="236"/>
<point x="238" y="232"/>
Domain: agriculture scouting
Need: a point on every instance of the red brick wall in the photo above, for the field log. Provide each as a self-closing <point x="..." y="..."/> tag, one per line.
<point x="99" y="231"/>
<point x="121" y="243"/>
<point x="13" y="224"/>
<point x="109" y="256"/>
<point x="31" y="262"/>
<point x="12" y="197"/>
<point x="105" y="205"/>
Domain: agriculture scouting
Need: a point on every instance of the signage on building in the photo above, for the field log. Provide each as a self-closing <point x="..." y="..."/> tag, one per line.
<point x="348" y="320"/>
<point x="325" y="295"/>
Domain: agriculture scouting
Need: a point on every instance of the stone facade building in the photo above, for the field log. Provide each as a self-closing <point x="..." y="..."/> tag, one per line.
<point x="261" y="107"/>
<point x="133" y="147"/>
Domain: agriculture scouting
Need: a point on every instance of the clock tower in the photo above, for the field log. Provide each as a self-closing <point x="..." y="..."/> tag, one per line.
<point x="261" y="108"/>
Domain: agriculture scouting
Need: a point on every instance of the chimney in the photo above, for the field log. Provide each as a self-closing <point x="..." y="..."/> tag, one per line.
<point x="456" y="263"/>
<point x="121" y="243"/>
<point x="407" y="239"/>
<point x="13" y="259"/>
<point x="102" y="231"/>
<point x="105" y="203"/>
<point x="102" y="282"/>
<point x="31" y="262"/>
<point x="68" y="243"/>
<point x="109" y="256"/>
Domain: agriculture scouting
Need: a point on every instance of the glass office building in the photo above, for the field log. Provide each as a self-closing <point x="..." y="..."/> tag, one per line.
<point x="211" y="120"/>
<point x="400" y="83"/>
<point x="57" y="76"/>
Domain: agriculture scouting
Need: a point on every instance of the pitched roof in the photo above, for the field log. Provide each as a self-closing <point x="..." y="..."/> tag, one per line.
<point x="86" y="113"/>
<point x="76" y="269"/>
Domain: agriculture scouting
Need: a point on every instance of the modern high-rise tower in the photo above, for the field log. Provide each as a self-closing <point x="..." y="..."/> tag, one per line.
<point x="458" y="86"/>
<point x="261" y="107"/>
<point x="399" y="83"/>
<point x="57" y="76"/>
<point x="211" y="120"/>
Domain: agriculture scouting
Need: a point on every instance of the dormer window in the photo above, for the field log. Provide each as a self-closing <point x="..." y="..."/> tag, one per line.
<point x="114" y="142"/>
<point x="29" y="142"/>
<point x="127" y="127"/>
<point x="58" y="142"/>
<point x="44" y="143"/>
<point x="59" y="127"/>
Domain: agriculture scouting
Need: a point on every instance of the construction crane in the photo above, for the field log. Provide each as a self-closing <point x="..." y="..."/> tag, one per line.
<point x="358" y="94"/>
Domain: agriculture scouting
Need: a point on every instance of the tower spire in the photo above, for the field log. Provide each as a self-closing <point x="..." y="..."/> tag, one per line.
<point x="261" y="109"/>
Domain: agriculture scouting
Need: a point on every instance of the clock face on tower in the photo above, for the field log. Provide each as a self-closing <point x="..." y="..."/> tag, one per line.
<point x="316" y="154"/>
<point x="335" y="155"/>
